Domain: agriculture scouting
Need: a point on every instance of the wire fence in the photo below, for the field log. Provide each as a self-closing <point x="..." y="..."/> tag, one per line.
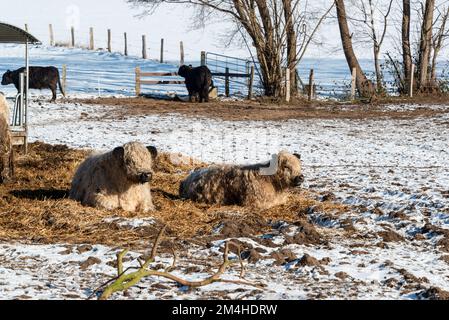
<point x="332" y="77"/>
<point x="115" y="40"/>
<point x="241" y="83"/>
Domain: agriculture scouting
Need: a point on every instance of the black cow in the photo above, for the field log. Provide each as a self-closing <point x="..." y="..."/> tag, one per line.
<point x="40" y="78"/>
<point x="198" y="81"/>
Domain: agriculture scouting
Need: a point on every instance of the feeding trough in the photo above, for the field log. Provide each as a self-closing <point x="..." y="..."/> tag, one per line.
<point x="19" y="124"/>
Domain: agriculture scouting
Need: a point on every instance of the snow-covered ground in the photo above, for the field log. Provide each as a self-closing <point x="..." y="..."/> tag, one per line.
<point x="393" y="174"/>
<point x="98" y="73"/>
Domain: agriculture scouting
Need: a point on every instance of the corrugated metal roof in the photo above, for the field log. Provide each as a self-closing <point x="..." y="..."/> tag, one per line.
<point x="12" y="34"/>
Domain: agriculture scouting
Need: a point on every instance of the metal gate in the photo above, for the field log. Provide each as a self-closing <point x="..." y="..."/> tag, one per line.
<point x="231" y="73"/>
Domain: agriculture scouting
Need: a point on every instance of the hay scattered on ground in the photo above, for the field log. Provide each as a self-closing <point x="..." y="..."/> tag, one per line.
<point x="35" y="207"/>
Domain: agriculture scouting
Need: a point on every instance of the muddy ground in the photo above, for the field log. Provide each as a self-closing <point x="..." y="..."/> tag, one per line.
<point x="267" y="111"/>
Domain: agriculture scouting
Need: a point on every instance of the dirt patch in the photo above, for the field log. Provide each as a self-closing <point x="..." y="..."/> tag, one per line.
<point x="253" y="256"/>
<point x="307" y="234"/>
<point x="89" y="262"/>
<point x="390" y="236"/>
<point x="256" y="110"/>
<point x="283" y="256"/>
<point x="341" y="275"/>
<point x="434" y="293"/>
<point x="308" y="260"/>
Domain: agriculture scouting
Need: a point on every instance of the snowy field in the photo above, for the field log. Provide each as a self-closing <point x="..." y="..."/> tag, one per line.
<point x="102" y="74"/>
<point x="98" y="73"/>
<point x="393" y="174"/>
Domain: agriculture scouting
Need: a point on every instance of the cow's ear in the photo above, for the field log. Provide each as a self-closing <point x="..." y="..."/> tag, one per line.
<point x="119" y="152"/>
<point x="153" y="151"/>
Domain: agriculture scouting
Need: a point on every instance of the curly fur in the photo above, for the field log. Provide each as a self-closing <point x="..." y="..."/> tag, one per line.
<point x="119" y="179"/>
<point x="6" y="149"/>
<point x="244" y="185"/>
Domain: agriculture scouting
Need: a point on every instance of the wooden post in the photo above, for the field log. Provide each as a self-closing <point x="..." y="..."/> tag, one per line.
<point x="64" y="78"/>
<point x="227" y="82"/>
<point x="72" y="32"/>
<point x="353" y="83"/>
<point x="126" y="44"/>
<point x="144" y="47"/>
<point x="109" y="40"/>
<point x="412" y="79"/>
<point x="287" y="85"/>
<point x="52" y="35"/>
<point x="251" y="83"/>
<point x="181" y="60"/>
<point x="311" y="84"/>
<point x="162" y="51"/>
<point x="91" y="39"/>
<point x="203" y="58"/>
<point x="137" y="81"/>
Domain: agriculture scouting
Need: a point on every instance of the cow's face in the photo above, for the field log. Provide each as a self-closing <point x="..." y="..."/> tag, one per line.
<point x="7" y="78"/>
<point x="184" y="70"/>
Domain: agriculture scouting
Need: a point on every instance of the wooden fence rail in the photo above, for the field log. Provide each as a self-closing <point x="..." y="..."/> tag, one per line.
<point x="140" y="82"/>
<point x="226" y="75"/>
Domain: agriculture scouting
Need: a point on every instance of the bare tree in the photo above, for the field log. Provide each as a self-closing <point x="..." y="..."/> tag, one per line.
<point x="406" y="50"/>
<point x="438" y="40"/>
<point x="425" y="45"/>
<point x="280" y="31"/>
<point x="371" y="23"/>
<point x="364" y="86"/>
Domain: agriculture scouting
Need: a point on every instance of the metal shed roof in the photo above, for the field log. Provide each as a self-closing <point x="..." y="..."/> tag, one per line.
<point x="12" y="34"/>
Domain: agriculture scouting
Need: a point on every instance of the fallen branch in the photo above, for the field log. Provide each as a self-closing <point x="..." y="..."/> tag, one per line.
<point x="123" y="281"/>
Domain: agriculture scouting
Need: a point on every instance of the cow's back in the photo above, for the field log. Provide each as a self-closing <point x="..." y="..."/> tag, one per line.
<point x="43" y="77"/>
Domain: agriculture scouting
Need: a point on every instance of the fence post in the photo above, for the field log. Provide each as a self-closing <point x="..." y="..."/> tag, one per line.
<point x="144" y="47"/>
<point x="126" y="44"/>
<point x="250" y="84"/>
<point x="52" y="35"/>
<point x="137" y="81"/>
<point x="91" y="39"/>
<point x="311" y="84"/>
<point x="72" y="32"/>
<point x="109" y="40"/>
<point x="227" y="82"/>
<point x="64" y="78"/>
<point x="353" y="83"/>
<point x="412" y="79"/>
<point x="162" y="51"/>
<point x="287" y="85"/>
<point x="181" y="46"/>
<point x="203" y="58"/>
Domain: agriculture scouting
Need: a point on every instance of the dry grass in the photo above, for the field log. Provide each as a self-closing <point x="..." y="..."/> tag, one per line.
<point x="35" y="207"/>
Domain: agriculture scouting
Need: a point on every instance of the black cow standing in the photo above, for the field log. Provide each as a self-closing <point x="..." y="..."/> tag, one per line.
<point x="40" y="78"/>
<point x="198" y="81"/>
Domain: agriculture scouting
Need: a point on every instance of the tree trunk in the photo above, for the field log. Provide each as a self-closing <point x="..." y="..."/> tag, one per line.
<point x="406" y="51"/>
<point x="364" y="86"/>
<point x="425" y="45"/>
<point x="266" y="47"/>
<point x="437" y="45"/>
<point x="378" y="69"/>
<point x="292" y="58"/>
<point x="376" y="49"/>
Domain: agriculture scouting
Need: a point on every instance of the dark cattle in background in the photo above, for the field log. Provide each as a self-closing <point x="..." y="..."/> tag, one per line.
<point x="198" y="81"/>
<point x="40" y="78"/>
